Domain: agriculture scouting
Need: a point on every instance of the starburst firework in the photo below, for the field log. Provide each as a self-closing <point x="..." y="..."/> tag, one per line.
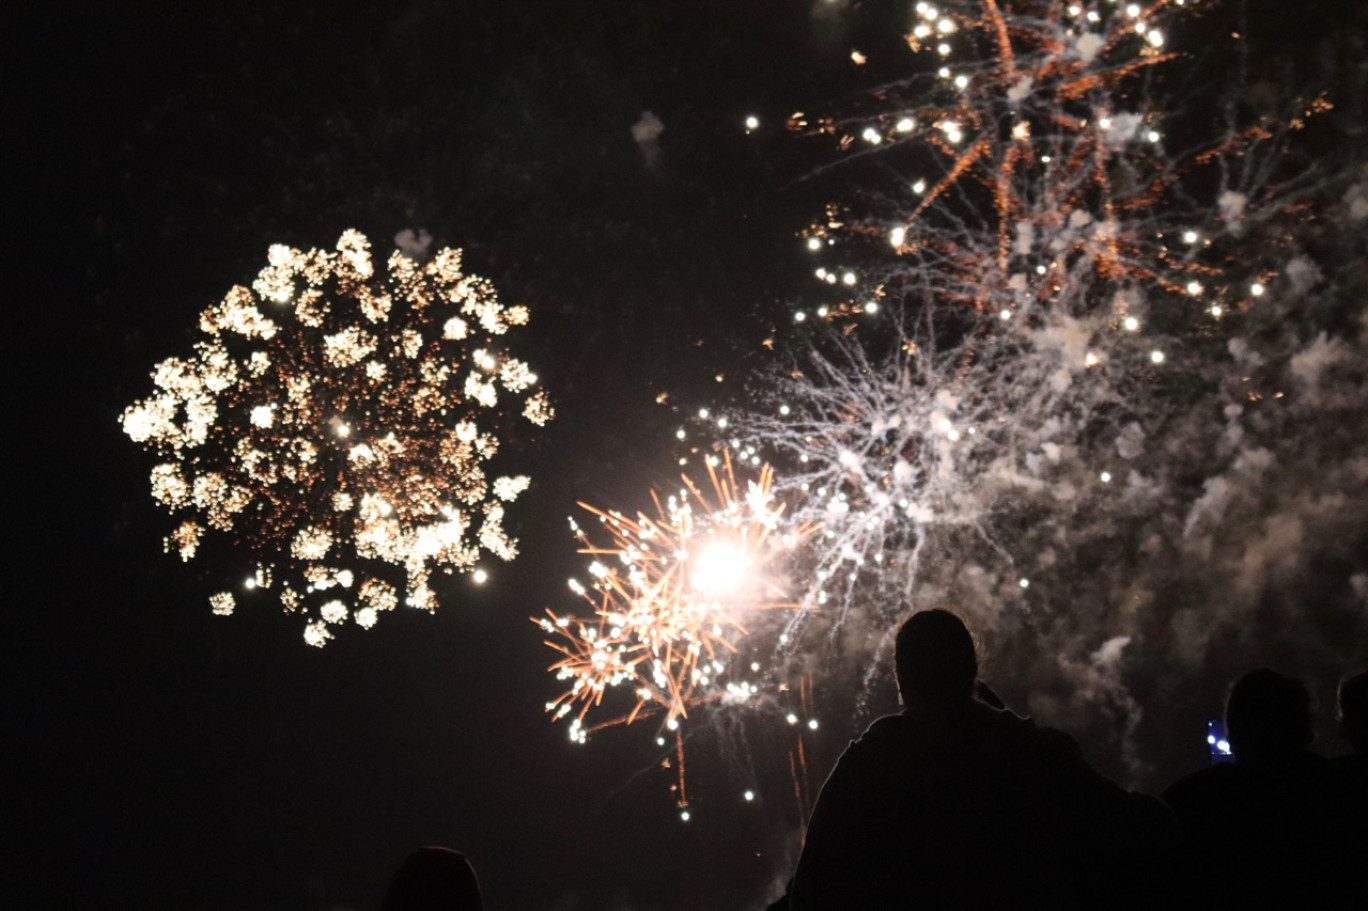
<point x="337" y="425"/>
<point x="670" y="595"/>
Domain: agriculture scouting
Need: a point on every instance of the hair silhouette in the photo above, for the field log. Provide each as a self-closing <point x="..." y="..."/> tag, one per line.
<point x="935" y="658"/>
<point x="434" y="879"/>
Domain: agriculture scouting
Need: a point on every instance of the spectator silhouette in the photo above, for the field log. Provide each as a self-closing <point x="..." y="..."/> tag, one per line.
<point x="1352" y="709"/>
<point x="434" y="879"/>
<point x="1261" y="832"/>
<point x="954" y="803"/>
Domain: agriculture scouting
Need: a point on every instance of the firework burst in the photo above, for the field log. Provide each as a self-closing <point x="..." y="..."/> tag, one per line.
<point x="1033" y="372"/>
<point x="670" y="594"/>
<point x="337" y="425"/>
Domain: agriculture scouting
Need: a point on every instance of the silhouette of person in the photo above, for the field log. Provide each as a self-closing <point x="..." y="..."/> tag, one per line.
<point x="434" y="879"/>
<point x="1261" y="831"/>
<point x="1352" y="709"/>
<point x="956" y="803"/>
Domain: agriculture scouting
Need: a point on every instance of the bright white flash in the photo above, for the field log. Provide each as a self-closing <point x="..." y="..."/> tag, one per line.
<point x="720" y="569"/>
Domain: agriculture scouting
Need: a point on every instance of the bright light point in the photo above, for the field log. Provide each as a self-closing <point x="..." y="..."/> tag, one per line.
<point x="672" y="724"/>
<point x="1005" y="315"/>
<point x="871" y="136"/>
<point x="821" y="273"/>
<point x="679" y="434"/>
<point x="1152" y="135"/>
<point x="946" y="26"/>
<point x="961" y="82"/>
<point x="749" y="795"/>
<point x="1105" y="477"/>
<point x="1256" y="289"/>
<point x="943" y="72"/>
<point x="752" y="122"/>
<point x="857" y="58"/>
<point x="1093" y="15"/>
<point x="720" y="569"/>
<point x="848" y="278"/>
<point x="1075" y="10"/>
<point x="1090" y="359"/>
<point x="1104" y="123"/>
<point x="1223" y="746"/>
<point x="1040" y="270"/>
<point x="1022" y="130"/>
<point x="250" y="583"/>
<point x="919" y="187"/>
<point x="1024" y="582"/>
<point x="812" y="724"/>
<point x="871" y="307"/>
<point x="703" y="414"/>
<point x="791" y="718"/>
<point x="343" y="430"/>
<point x="799" y="316"/>
<point x="1131" y="323"/>
<point x="943" y="49"/>
<point x="1133" y="10"/>
<point x="1216" y="310"/>
<point x="1211" y="739"/>
<point x="897" y="236"/>
<point x="814" y="244"/>
<point x="479" y="577"/>
<point x="1194" y="288"/>
<point x="1045" y="158"/>
<point x="784" y="410"/>
<point x="922" y="31"/>
<point x="906" y="125"/>
<point x="1157" y="356"/>
<point x="684" y="815"/>
<point x="1190" y="237"/>
<point x="1156" y="38"/>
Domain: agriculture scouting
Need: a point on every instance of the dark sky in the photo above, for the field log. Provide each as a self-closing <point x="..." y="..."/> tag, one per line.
<point x="162" y="757"/>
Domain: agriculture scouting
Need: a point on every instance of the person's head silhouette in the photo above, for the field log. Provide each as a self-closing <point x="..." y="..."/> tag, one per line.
<point x="935" y="659"/>
<point x="1268" y="716"/>
<point x="1353" y="710"/>
<point x="434" y="879"/>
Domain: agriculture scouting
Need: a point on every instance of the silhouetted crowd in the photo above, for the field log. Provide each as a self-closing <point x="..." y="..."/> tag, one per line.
<point x="956" y="802"/>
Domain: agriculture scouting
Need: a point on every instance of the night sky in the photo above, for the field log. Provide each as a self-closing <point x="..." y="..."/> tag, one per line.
<point x="158" y="756"/>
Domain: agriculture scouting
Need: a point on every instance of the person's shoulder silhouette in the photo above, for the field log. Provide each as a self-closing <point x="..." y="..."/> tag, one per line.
<point x="1261" y="831"/>
<point x="955" y="803"/>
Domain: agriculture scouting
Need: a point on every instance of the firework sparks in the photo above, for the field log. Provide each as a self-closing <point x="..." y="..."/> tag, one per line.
<point x="1038" y="264"/>
<point x="1033" y="362"/>
<point x="338" y="424"/>
<point x="669" y="595"/>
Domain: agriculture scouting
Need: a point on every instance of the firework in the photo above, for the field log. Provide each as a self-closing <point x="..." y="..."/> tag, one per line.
<point x="670" y="595"/>
<point x="1050" y="352"/>
<point x="1028" y="295"/>
<point x="337" y="425"/>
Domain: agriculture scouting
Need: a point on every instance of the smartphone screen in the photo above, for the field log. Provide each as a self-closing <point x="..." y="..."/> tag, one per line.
<point x="1217" y="744"/>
